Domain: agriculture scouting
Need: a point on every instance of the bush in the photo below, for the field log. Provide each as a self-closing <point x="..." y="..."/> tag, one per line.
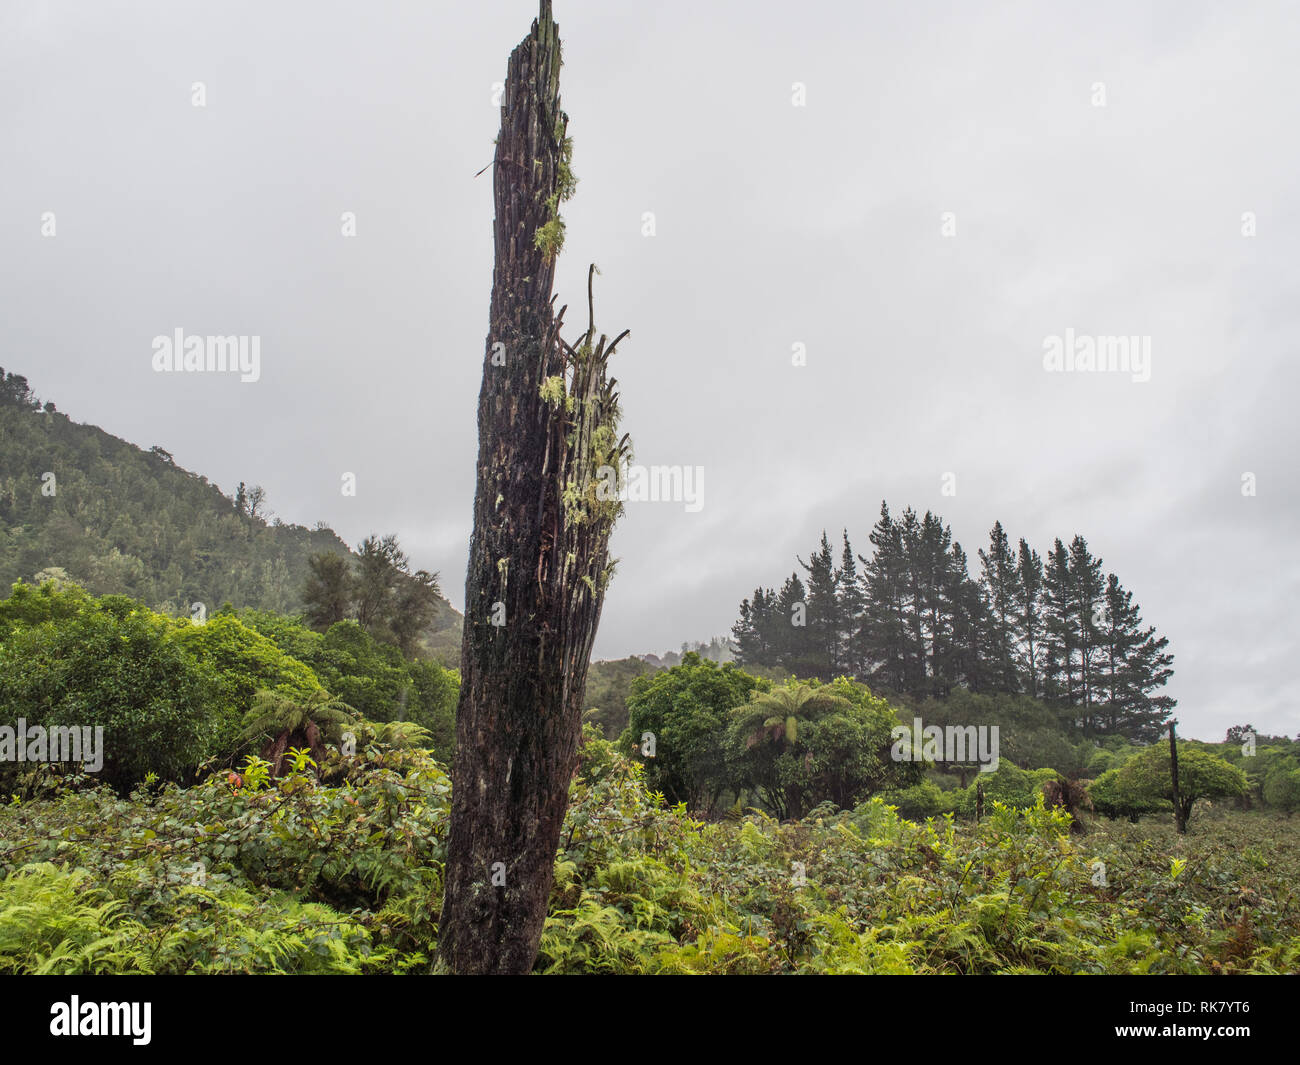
<point x="114" y="664"/>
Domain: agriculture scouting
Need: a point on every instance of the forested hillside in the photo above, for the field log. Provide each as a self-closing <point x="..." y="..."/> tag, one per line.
<point x="117" y="519"/>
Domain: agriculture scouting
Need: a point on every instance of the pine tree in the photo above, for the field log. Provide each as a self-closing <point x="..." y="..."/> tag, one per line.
<point x="328" y="593"/>
<point x="1134" y="663"/>
<point x="848" y="592"/>
<point x="1059" y="621"/>
<point x="999" y="578"/>
<point x="793" y="645"/>
<point x="932" y="561"/>
<point x="1027" y="599"/>
<point x="882" y="638"/>
<point x="971" y="624"/>
<point x="380" y="565"/>
<point x="754" y="639"/>
<point x="1085" y="574"/>
<point x="744" y="637"/>
<point x="823" y="611"/>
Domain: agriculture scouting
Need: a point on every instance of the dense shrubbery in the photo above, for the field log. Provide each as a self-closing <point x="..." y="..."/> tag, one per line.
<point x="171" y="694"/>
<point x="69" y="659"/>
<point x="342" y="874"/>
<point x="335" y="866"/>
<point x="721" y="732"/>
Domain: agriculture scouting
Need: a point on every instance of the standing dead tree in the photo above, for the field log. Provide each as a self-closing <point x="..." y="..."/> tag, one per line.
<point x="545" y="504"/>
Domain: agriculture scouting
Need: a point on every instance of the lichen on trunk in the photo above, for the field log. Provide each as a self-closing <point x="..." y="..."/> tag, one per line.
<point x="539" y="557"/>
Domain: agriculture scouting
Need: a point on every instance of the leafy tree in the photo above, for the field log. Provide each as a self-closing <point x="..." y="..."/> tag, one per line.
<point x="370" y="676"/>
<point x="686" y="708"/>
<point x="278" y="722"/>
<point x="1201" y="775"/>
<point x="1008" y="784"/>
<point x="114" y="664"/>
<point x="256" y="501"/>
<point x="801" y="744"/>
<point x="1114" y="797"/>
<point x="380" y="563"/>
<point x="1282" y="789"/>
<point x="432" y="705"/>
<point x="243" y="662"/>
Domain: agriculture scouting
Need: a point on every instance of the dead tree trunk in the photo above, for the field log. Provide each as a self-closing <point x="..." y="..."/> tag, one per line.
<point x="545" y="503"/>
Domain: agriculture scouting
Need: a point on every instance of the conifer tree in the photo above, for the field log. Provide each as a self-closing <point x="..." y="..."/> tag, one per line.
<point x="971" y="625"/>
<point x="328" y="593"/>
<point x="1060" y="626"/>
<point x="1027" y="598"/>
<point x="823" y="611"/>
<point x="882" y="630"/>
<point x="752" y="634"/>
<point x="848" y="601"/>
<point x="1086" y="577"/>
<point x="1134" y="663"/>
<point x="999" y="576"/>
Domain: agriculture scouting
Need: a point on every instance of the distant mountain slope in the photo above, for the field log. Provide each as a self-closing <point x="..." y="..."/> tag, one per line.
<point x="122" y="520"/>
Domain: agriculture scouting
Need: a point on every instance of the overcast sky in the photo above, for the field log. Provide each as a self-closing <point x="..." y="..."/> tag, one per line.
<point x="775" y="224"/>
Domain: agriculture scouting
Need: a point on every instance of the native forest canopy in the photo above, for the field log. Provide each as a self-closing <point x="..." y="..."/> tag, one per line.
<point x="230" y="743"/>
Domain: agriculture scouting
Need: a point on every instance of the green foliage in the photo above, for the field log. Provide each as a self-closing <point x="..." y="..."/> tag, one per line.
<point x="170" y="695"/>
<point x="686" y="708"/>
<point x="918" y="801"/>
<point x="342" y="874"/>
<point x="126" y="521"/>
<point x="372" y="677"/>
<point x="113" y="664"/>
<point x="1015" y="788"/>
<point x="243" y="662"/>
<point x="275" y="712"/>
<point x="800" y="745"/>
<point x="1201" y="775"/>
<point x="1282" y="789"/>
<point x="608" y="686"/>
<point x="1114" y="798"/>
<point x="129" y="521"/>
<point x="242" y="873"/>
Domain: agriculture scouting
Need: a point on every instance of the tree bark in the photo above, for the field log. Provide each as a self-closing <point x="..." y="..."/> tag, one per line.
<point x="539" y="559"/>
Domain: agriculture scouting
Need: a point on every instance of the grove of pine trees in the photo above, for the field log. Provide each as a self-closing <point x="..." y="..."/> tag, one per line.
<point x="912" y="620"/>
